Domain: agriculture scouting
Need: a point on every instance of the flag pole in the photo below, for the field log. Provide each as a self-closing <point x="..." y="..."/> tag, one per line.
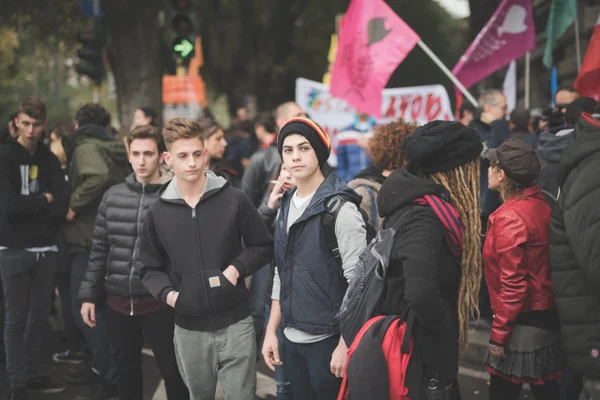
<point x="577" y="42"/>
<point x="527" y="78"/>
<point x="448" y="73"/>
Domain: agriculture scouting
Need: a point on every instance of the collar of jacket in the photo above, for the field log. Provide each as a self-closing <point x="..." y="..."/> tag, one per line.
<point x="331" y="186"/>
<point x="136" y="186"/>
<point x="533" y="191"/>
<point x="214" y="184"/>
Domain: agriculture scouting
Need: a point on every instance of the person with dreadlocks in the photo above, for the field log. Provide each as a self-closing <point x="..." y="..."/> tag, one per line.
<point x="435" y="266"/>
<point x="525" y="345"/>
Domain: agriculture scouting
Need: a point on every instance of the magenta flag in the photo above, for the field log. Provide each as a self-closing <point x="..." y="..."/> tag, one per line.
<point x="373" y="41"/>
<point x="507" y="36"/>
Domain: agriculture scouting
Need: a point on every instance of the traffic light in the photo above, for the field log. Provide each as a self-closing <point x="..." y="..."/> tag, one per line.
<point x="183" y="31"/>
<point x="91" y="59"/>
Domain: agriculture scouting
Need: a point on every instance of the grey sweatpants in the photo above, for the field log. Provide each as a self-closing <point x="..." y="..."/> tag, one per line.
<point x="27" y="281"/>
<point x="228" y="355"/>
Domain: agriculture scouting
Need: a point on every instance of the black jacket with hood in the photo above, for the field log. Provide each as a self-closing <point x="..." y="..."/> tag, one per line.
<point x="423" y="274"/>
<point x="574" y="248"/>
<point x="27" y="219"/>
<point x="551" y="145"/>
<point x="186" y="249"/>
<point x="115" y="257"/>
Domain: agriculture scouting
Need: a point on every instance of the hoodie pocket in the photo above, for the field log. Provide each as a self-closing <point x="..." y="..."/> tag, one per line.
<point x="190" y="302"/>
<point x="223" y="295"/>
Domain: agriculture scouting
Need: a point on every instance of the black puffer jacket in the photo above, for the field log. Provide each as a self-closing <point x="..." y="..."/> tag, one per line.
<point x="575" y="248"/>
<point x="423" y="274"/>
<point x="114" y="259"/>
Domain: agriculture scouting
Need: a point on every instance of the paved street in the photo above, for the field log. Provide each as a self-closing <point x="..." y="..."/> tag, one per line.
<point x="473" y="381"/>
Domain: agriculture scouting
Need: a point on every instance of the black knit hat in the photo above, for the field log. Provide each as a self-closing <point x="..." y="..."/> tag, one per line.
<point x="308" y="128"/>
<point x="441" y="146"/>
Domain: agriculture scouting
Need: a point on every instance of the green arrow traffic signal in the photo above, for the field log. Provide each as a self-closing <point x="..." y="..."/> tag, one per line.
<point x="184" y="47"/>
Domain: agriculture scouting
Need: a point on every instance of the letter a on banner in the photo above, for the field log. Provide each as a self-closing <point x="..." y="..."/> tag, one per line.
<point x="373" y="42"/>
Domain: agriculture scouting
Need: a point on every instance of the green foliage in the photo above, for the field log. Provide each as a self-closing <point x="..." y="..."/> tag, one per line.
<point x="254" y="47"/>
<point x="261" y="46"/>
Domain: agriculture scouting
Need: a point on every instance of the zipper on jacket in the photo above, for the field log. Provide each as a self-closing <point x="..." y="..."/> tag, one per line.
<point x="200" y="270"/>
<point x="137" y="232"/>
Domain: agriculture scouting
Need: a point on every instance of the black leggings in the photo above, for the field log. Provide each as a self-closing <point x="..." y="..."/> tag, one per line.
<point x="503" y="389"/>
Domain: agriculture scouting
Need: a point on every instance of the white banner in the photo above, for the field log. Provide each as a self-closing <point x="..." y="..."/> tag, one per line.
<point x="419" y="104"/>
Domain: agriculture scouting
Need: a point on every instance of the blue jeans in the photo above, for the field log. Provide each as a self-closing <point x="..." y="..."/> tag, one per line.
<point x="97" y="337"/>
<point x="308" y="366"/>
<point x="284" y="391"/>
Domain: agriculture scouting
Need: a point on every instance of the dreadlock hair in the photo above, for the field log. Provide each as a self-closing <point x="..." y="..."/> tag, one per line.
<point x="462" y="184"/>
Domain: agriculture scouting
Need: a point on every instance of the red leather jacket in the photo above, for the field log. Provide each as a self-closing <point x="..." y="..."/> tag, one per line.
<point x="516" y="260"/>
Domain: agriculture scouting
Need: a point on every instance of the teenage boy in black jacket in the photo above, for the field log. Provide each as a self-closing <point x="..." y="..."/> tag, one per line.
<point x="114" y="267"/>
<point x="309" y="283"/>
<point x="33" y="202"/>
<point x="193" y="260"/>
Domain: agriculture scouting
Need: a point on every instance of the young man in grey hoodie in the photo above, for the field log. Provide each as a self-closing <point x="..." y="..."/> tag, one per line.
<point x="193" y="260"/>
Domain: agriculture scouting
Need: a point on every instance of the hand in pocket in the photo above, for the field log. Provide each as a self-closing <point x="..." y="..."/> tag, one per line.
<point x="232" y="275"/>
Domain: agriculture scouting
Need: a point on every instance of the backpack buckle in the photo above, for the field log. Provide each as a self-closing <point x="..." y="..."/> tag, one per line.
<point x="336" y="252"/>
<point x="433" y="384"/>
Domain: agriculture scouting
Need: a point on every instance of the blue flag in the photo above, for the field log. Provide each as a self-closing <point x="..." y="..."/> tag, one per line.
<point x="553" y="84"/>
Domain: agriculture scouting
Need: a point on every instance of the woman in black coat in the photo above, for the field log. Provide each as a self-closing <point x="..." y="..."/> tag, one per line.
<point x="435" y="269"/>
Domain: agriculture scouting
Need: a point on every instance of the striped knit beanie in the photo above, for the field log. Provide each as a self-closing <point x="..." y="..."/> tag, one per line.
<point x="308" y="128"/>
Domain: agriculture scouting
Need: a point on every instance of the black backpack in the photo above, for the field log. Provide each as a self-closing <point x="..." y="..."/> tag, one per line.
<point x="364" y="297"/>
<point x="332" y="208"/>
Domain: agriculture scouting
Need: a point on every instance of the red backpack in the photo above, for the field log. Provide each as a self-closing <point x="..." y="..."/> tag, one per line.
<point x="386" y="341"/>
<point x="392" y="336"/>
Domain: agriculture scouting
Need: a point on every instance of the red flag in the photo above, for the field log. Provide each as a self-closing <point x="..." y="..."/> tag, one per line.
<point x="588" y="80"/>
<point x="373" y="42"/>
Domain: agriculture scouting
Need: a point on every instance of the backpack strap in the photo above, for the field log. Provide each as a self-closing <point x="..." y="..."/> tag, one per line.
<point x="332" y="209"/>
<point x="410" y="322"/>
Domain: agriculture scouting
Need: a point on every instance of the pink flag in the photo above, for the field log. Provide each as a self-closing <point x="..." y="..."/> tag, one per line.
<point x="507" y="36"/>
<point x="373" y="42"/>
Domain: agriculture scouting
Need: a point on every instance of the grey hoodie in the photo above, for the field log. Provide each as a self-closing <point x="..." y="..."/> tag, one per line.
<point x="552" y="145"/>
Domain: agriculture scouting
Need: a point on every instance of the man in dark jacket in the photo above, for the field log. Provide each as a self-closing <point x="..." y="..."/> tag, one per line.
<point x="308" y="287"/>
<point x="520" y="127"/>
<point x="98" y="162"/>
<point x="264" y="164"/>
<point x="114" y="266"/>
<point x="494" y="129"/>
<point x="33" y="202"/>
<point x="553" y="142"/>
<point x="574" y="250"/>
<point x="193" y="260"/>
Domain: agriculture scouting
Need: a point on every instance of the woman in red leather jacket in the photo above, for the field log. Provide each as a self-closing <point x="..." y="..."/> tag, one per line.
<point x="525" y="344"/>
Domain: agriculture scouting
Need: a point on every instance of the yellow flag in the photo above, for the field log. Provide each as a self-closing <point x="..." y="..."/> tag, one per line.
<point x="331" y="58"/>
